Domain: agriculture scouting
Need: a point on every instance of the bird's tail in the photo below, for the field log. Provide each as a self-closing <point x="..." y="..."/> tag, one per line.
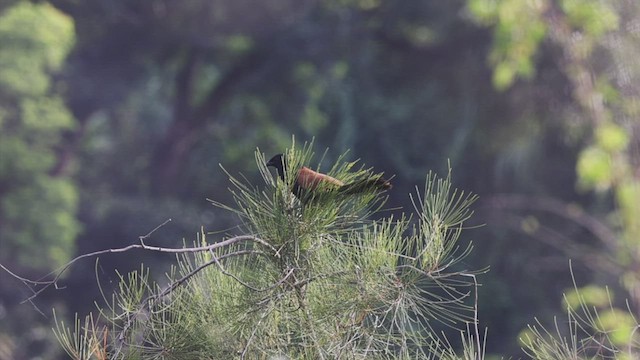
<point x="372" y="184"/>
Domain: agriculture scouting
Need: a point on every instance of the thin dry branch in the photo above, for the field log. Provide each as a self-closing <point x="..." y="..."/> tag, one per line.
<point x="57" y="274"/>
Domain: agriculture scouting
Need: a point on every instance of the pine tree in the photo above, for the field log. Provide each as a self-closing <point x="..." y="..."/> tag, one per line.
<point x="326" y="279"/>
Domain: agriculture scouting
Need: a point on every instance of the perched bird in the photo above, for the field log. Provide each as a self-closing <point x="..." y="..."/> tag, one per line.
<point x="308" y="181"/>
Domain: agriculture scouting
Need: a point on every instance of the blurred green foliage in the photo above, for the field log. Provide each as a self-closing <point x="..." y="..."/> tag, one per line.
<point x="598" y="166"/>
<point x="39" y="221"/>
<point x="594" y="18"/>
<point x="518" y="32"/>
<point x="38" y="207"/>
<point x="36" y="41"/>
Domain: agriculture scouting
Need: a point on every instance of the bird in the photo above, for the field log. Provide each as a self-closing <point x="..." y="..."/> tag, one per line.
<point x="309" y="183"/>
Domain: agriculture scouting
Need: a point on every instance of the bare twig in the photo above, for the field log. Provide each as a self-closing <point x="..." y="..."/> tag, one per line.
<point x="148" y="235"/>
<point x="26" y="283"/>
<point x="142" y="246"/>
<point x="57" y="274"/>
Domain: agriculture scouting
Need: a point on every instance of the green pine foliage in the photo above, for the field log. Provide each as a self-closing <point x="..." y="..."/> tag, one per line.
<point x="319" y="279"/>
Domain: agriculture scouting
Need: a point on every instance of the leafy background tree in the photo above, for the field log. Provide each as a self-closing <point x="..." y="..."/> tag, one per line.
<point x="34" y="120"/>
<point x="38" y="200"/>
<point x="110" y="129"/>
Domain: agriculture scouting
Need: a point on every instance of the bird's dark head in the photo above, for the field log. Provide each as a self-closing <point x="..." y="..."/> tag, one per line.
<point x="277" y="161"/>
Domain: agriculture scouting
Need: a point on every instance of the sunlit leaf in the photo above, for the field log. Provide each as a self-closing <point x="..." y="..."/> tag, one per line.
<point x="612" y="137"/>
<point x="594" y="168"/>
